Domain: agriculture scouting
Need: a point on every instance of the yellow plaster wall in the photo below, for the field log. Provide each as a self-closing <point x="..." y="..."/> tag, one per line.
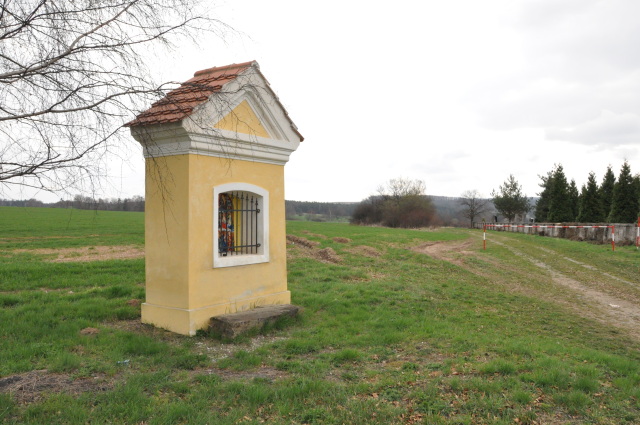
<point x="183" y="289"/>
<point x="243" y="119"/>
<point x="166" y="237"/>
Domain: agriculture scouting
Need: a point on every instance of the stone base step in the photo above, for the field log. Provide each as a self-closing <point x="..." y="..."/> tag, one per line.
<point x="235" y="324"/>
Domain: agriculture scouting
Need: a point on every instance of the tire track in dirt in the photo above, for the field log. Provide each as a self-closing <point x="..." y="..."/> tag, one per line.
<point x="454" y="252"/>
<point x="604" y="307"/>
<point x="596" y="304"/>
<point x="441" y="250"/>
<point x="590" y="267"/>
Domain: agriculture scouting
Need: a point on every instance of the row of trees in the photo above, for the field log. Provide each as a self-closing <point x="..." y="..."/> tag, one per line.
<point x="613" y="201"/>
<point x="328" y="210"/>
<point x="81" y="202"/>
<point x="135" y="203"/>
<point x="404" y="203"/>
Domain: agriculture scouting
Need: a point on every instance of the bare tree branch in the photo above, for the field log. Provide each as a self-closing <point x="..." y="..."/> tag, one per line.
<point x="473" y="205"/>
<point x="71" y="75"/>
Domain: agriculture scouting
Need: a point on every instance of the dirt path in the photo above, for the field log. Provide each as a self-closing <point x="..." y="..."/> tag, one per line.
<point x="445" y="250"/>
<point x="598" y="301"/>
<point x="87" y="253"/>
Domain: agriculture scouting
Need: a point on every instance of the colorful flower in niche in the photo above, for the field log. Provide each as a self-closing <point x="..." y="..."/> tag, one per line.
<point x="225" y="223"/>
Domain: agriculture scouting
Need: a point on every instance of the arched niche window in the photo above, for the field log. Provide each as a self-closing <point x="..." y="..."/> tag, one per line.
<point x="241" y="225"/>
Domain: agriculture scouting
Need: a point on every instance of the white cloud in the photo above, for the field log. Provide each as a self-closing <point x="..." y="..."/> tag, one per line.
<point x="579" y="76"/>
<point x="606" y="129"/>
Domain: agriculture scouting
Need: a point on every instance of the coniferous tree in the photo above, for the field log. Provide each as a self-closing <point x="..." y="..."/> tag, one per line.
<point x="560" y="208"/>
<point x="624" y="206"/>
<point x="509" y="200"/>
<point x="574" y="197"/>
<point x="542" y="206"/>
<point x="590" y="205"/>
<point x="583" y="194"/>
<point x="606" y="192"/>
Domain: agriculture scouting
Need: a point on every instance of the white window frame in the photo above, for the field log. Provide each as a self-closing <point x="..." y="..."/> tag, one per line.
<point x="263" y="226"/>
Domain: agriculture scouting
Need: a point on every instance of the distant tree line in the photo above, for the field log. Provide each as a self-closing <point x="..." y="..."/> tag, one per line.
<point x="403" y="203"/>
<point x="446" y="209"/>
<point x="319" y="211"/>
<point x="611" y="201"/>
<point x="81" y="202"/>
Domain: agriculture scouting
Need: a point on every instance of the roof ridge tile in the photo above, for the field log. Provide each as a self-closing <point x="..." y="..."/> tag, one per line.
<point x="241" y="66"/>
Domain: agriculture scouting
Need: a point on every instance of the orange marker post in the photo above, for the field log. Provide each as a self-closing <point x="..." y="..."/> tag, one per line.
<point x="613" y="238"/>
<point x="484" y="235"/>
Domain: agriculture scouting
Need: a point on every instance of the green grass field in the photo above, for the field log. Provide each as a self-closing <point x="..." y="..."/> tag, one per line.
<point x="399" y="327"/>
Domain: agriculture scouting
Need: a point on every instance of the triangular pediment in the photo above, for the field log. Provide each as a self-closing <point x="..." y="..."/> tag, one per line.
<point x="244" y="119"/>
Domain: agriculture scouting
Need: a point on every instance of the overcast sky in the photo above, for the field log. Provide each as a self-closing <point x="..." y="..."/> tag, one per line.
<point x="458" y="93"/>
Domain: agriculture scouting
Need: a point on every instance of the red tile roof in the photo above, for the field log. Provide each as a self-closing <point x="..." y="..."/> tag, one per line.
<point x="179" y="103"/>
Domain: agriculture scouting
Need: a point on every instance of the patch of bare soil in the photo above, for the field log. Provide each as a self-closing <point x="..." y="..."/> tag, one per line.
<point x="366" y="251"/>
<point x="447" y="251"/>
<point x="45" y="290"/>
<point x="314" y="235"/>
<point x="341" y="239"/>
<point x="36" y="238"/>
<point x="30" y="387"/>
<point x="89" y="253"/>
<point x="297" y="240"/>
<point x="328" y="255"/>
<point x="302" y="247"/>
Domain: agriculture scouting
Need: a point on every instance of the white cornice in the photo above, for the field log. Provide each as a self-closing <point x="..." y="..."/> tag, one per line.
<point x="223" y="144"/>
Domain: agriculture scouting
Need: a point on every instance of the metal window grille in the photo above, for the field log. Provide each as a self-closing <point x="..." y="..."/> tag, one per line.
<point x="238" y="223"/>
